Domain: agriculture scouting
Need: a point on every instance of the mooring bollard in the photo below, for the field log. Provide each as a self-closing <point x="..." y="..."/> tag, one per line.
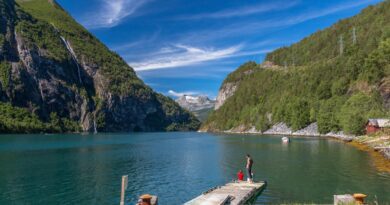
<point x="359" y="198"/>
<point x="123" y="189"/>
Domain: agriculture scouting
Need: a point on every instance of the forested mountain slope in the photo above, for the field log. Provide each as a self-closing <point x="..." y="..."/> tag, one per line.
<point x="338" y="77"/>
<point x="55" y="76"/>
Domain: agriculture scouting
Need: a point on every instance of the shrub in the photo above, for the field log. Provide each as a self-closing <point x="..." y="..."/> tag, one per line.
<point x="327" y="119"/>
<point x="300" y="114"/>
<point x="5" y="69"/>
<point x="356" y="111"/>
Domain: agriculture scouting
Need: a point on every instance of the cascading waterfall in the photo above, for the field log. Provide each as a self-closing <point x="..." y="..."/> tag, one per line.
<point x="94" y="126"/>
<point x="73" y="54"/>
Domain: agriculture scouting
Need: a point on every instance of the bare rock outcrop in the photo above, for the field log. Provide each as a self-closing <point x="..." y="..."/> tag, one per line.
<point x="227" y="90"/>
<point x="311" y="130"/>
<point x="279" y="128"/>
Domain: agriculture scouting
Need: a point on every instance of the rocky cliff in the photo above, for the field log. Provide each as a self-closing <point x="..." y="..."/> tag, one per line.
<point x="226" y="91"/>
<point x="232" y="81"/>
<point x="54" y="68"/>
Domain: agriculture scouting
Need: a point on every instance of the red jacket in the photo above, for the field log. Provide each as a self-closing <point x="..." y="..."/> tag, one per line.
<point x="240" y="176"/>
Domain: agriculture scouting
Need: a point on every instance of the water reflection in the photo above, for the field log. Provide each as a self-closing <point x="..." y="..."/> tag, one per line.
<point x="86" y="169"/>
<point x="306" y="170"/>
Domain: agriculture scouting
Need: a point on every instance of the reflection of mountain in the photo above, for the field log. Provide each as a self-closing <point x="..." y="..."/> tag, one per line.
<point x="201" y="106"/>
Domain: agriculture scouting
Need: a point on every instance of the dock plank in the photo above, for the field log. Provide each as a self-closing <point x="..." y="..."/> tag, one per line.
<point x="234" y="193"/>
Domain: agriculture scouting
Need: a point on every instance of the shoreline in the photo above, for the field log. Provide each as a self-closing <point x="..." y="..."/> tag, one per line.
<point x="381" y="145"/>
<point x="380" y="159"/>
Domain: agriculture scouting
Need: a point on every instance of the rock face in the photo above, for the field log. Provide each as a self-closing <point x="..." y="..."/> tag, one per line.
<point x="311" y="130"/>
<point x="231" y="83"/>
<point x="194" y="103"/>
<point x="283" y="129"/>
<point x="51" y="64"/>
<point x="279" y="128"/>
<point x="226" y="91"/>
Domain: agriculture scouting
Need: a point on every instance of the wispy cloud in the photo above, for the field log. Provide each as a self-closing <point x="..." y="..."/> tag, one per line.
<point x="243" y="11"/>
<point x="193" y="72"/>
<point x="139" y="42"/>
<point x="325" y="12"/>
<point x="111" y="12"/>
<point x="183" y="55"/>
<point x="179" y="94"/>
<point x="269" y="25"/>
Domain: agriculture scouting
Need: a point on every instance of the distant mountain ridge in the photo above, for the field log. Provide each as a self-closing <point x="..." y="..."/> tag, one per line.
<point x="55" y="76"/>
<point x="201" y="106"/>
<point x="194" y="103"/>
<point x="338" y="77"/>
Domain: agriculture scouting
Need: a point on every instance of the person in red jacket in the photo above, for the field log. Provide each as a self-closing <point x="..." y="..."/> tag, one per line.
<point x="240" y="175"/>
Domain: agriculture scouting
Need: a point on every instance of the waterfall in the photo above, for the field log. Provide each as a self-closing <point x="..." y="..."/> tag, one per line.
<point x="94" y="126"/>
<point x="73" y="54"/>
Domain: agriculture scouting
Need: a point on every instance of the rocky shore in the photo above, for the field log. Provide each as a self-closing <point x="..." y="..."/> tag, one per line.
<point x="379" y="143"/>
<point x="283" y="129"/>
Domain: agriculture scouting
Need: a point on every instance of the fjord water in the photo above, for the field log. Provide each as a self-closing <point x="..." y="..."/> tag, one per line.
<point x="86" y="169"/>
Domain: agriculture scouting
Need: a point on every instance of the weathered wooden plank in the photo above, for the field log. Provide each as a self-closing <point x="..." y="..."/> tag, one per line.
<point x="234" y="193"/>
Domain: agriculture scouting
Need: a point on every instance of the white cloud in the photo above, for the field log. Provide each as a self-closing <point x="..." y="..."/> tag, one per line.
<point x="183" y="55"/>
<point x="243" y="11"/>
<point x="140" y="42"/>
<point x="268" y="25"/>
<point x="179" y="94"/>
<point x="112" y="12"/>
<point x="325" y="12"/>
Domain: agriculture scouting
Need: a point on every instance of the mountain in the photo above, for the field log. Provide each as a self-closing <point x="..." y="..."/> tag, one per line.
<point x="194" y="103"/>
<point x="201" y="106"/>
<point x="55" y="77"/>
<point x="338" y="77"/>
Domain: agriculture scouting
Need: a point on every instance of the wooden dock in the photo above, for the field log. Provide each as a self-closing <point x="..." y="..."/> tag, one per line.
<point x="233" y="193"/>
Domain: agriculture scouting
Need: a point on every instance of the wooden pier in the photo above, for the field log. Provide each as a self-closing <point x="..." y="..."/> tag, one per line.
<point x="233" y="193"/>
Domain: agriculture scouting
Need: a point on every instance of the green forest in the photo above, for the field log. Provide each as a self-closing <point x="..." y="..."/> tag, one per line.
<point x="43" y="25"/>
<point x="336" y="77"/>
<point x="20" y="120"/>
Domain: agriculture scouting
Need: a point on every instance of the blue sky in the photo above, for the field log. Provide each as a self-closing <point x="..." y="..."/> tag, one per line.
<point x="189" y="46"/>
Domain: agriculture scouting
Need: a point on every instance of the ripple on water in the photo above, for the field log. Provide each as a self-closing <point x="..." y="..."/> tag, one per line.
<point x="86" y="169"/>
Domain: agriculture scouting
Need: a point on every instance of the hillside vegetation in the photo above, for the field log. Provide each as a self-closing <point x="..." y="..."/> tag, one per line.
<point x="61" y="78"/>
<point x="317" y="80"/>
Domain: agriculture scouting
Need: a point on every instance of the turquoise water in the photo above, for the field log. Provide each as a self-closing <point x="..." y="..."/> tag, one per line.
<point x="86" y="169"/>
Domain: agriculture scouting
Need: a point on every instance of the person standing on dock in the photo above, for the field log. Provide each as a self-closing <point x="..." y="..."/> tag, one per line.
<point x="249" y="163"/>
